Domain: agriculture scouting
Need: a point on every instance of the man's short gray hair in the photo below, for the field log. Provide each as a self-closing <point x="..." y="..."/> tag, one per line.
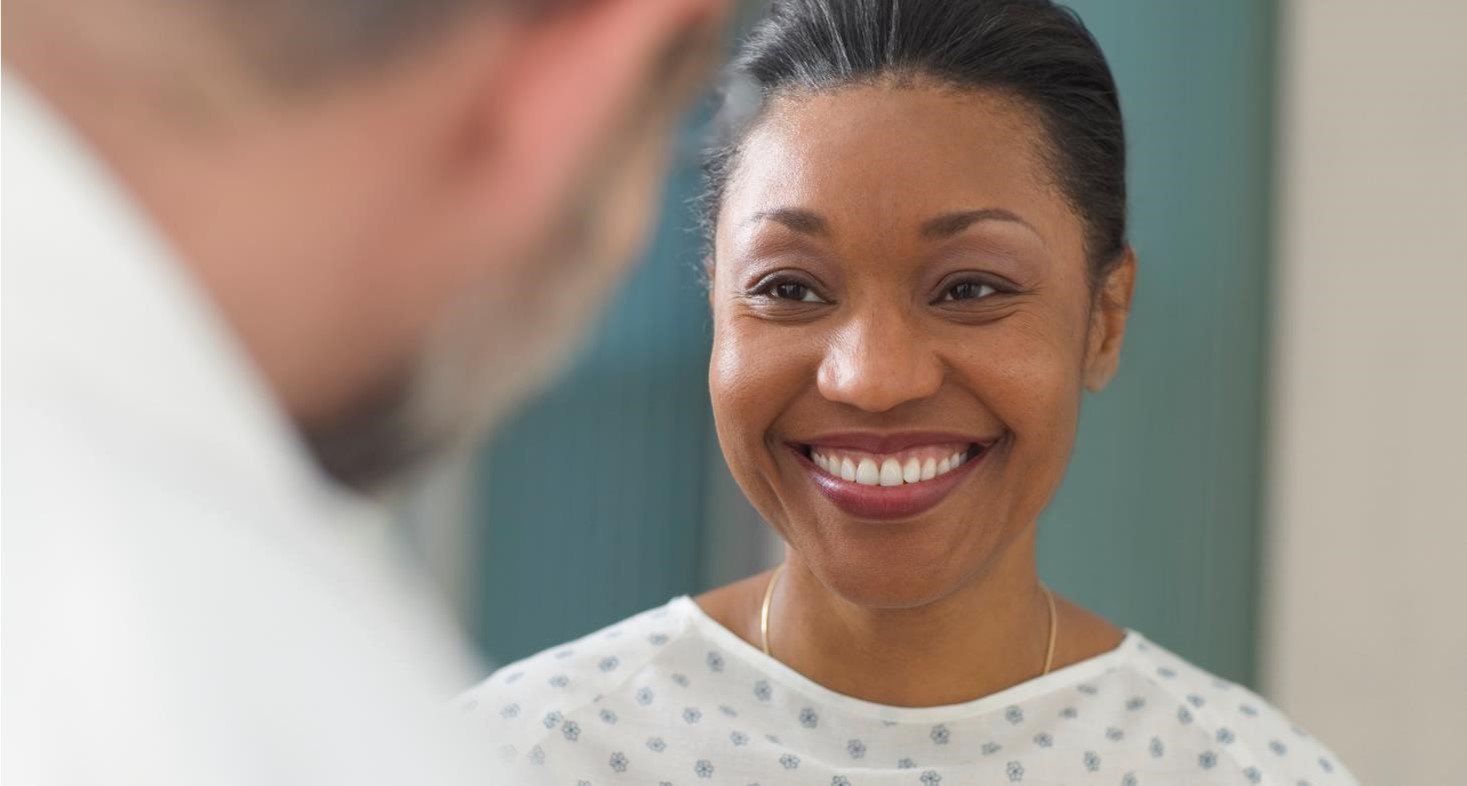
<point x="295" y="42"/>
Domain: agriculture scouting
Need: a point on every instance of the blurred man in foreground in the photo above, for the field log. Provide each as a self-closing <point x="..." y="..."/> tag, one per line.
<point x="260" y="259"/>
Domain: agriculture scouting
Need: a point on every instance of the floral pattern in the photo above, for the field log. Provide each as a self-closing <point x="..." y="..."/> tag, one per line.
<point x="1139" y="715"/>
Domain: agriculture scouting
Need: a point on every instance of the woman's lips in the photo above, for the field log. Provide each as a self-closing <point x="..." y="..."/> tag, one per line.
<point x="885" y="487"/>
<point x="892" y="469"/>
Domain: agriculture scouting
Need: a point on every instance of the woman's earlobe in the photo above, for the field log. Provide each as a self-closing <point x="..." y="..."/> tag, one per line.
<point x="1096" y="379"/>
<point x="1108" y="330"/>
<point x="1102" y="359"/>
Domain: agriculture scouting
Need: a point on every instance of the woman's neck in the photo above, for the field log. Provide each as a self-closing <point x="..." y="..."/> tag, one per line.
<point x="988" y="636"/>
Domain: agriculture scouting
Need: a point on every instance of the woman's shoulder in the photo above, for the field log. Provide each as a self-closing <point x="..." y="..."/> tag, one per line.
<point x="1224" y="725"/>
<point x="545" y="690"/>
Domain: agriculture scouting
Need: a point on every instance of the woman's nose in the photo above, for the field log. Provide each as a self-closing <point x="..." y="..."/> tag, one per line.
<point x="877" y="364"/>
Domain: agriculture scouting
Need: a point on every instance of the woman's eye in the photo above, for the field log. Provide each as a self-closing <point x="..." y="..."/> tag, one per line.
<point x="790" y="290"/>
<point x="968" y="290"/>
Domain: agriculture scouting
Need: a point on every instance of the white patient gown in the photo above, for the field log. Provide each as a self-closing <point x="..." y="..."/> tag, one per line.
<point x="672" y="697"/>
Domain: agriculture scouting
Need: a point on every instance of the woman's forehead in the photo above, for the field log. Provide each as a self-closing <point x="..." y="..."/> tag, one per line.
<point x="893" y="155"/>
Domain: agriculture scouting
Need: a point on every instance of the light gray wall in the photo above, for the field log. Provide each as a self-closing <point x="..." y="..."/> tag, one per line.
<point x="1365" y="582"/>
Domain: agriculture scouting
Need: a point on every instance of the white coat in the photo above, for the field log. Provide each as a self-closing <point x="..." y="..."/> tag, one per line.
<point x="186" y="599"/>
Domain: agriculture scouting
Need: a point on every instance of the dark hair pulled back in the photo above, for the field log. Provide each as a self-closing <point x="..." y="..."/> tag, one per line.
<point x="1034" y="50"/>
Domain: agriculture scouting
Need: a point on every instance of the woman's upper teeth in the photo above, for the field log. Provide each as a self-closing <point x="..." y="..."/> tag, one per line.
<point x="909" y="466"/>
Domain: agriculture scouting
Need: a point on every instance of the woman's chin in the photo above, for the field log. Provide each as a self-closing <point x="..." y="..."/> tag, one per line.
<point x="881" y="582"/>
<point x="898" y="565"/>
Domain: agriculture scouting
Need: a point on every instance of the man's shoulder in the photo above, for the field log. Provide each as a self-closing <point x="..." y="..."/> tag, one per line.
<point x="166" y="612"/>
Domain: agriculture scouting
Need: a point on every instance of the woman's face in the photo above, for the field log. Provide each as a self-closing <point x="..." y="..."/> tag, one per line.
<point x="903" y="331"/>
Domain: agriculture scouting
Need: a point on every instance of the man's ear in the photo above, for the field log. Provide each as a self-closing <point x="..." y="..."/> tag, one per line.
<point x="564" y="87"/>
<point x="1108" y="318"/>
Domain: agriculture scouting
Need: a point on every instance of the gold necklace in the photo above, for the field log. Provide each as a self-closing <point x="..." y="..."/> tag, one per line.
<point x="774" y="579"/>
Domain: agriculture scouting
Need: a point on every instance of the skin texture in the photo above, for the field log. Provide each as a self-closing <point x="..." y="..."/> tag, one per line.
<point x="882" y="323"/>
<point x="393" y="247"/>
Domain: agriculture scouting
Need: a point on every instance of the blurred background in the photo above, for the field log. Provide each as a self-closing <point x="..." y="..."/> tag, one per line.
<point x="1271" y="488"/>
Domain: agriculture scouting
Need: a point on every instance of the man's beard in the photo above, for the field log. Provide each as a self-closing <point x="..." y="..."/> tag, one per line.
<point x="500" y="343"/>
<point x="495" y="347"/>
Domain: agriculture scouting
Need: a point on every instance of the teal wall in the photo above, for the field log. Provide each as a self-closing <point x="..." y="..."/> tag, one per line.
<point x="594" y="500"/>
<point x="1157" y="523"/>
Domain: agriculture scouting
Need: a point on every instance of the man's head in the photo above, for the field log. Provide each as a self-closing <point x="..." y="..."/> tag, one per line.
<point x="406" y="209"/>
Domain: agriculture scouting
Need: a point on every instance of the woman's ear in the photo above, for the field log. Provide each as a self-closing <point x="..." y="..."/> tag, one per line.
<point x="1112" y="307"/>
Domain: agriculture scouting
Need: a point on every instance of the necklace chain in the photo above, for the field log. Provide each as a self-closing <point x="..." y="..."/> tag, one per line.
<point x="774" y="579"/>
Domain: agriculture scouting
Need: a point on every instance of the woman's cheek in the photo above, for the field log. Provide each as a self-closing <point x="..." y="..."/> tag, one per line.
<point x="1034" y="388"/>
<point x="739" y="379"/>
<point x="758" y="369"/>
<point x="755" y="374"/>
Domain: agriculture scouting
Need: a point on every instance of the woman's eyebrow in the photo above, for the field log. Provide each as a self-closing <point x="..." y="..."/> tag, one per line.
<point x="806" y="222"/>
<point x="953" y="223"/>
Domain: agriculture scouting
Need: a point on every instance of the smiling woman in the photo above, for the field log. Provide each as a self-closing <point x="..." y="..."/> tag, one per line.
<point x="918" y="266"/>
<point x="946" y="304"/>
